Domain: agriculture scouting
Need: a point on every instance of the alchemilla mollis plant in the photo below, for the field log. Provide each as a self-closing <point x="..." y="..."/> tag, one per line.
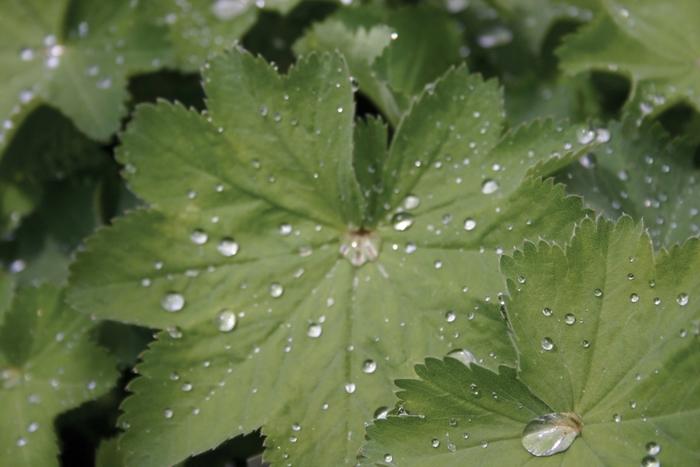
<point x="328" y="233"/>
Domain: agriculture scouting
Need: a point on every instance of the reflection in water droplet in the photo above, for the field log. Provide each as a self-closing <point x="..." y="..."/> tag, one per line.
<point x="226" y="320"/>
<point x="228" y="247"/>
<point x="173" y="302"/>
<point x="489" y="186"/>
<point x="551" y="433"/>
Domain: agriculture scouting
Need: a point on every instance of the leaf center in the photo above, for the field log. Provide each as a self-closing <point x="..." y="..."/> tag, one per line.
<point x="360" y="246"/>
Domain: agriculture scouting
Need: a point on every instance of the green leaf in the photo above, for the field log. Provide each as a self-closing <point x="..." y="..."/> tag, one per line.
<point x="74" y="57"/>
<point x="654" y="44"/>
<point x="288" y="292"/>
<point x="641" y="172"/>
<point x="604" y="329"/>
<point x="394" y="58"/>
<point x="47" y="147"/>
<point x="47" y="365"/>
<point x="533" y="19"/>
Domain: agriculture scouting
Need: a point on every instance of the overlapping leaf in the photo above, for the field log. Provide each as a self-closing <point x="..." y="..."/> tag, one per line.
<point x="655" y="44"/>
<point x="392" y="54"/>
<point x="74" y="56"/>
<point x="644" y="173"/>
<point x="292" y="289"/>
<point x="604" y="329"/>
<point x="47" y="365"/>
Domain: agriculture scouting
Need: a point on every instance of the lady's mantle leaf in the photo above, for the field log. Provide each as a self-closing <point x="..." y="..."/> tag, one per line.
<point x="74" y="56"/>
<point x="47" y="365"/>
<point x="293" y="291"/>
<point x="656" y="44"/>
<point x="604" y="330"/>
<point x="644" y="173"/>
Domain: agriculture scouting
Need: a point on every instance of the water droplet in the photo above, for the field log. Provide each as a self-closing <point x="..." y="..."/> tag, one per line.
<point x="653" y="448"/>
<point x="228" y="247"/>
<point x="168" y="413"/>
<point x="314" y="330"/>
<point x="21" y="442"/>
<point x="547" y="311"/>
<point x="411" y="202"/>
<point x="598" y="293"/>
<point x="26" y="54"/>
<point x="650" y="461"/>
<point x="402" y="221"/>
<point x="682" y="299"/>
<point x="463" y="355"/>
<point x="586" y="344"/>
<point x="634" y="298"/>
<point x="226" y="320"/>
<point x="199" y="237"/>
<point x="435" y="443"/>
<point x="381" y="413"/>
<point x="276" y="290"/>
<point x="285" y="229"/>
<point x="547" y="344"/>
<point x="585" y="136"/>
<point x="450" y="316"/>
<point x="551" y="433"/>
<point x="186" y="387"/>
<point x="469" y="224"/>
<point x="172" y="302"/>
<point x="570" y="319"/>
<point x="369" y="366"/>
<point x="617" y="418"/>
<point x="489" y="186"/>
<point x="33" y="427"/>
<point x="350" y="388"/>
<point x="388" y="458"/>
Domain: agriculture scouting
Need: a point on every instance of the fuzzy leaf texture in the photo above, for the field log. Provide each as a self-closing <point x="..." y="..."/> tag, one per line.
<point x="285" y="252"/>
<point x="48" y="365"/>
<point x="604" y="329"/>
<point x="654" y="44"/>
<point x="74" y="56"/>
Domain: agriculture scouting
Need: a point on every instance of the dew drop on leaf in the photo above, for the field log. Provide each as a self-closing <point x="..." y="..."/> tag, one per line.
<point x="168" y="413"/>
<point x="199" y="237"/>
<point x="285" y="229"/>
<point x="653" y="448"/>
<point x="585" y="136"/>
<point x="350" y="388"/>
<point x="314" y="330"/>
<point x="547" y="311"/>
<point x="388" y="458"/>
<point x="650" y="461"/>
<point x="551" y="433"/>
<point x="682" y="299"/>
<point x="276" y="290"/>
<point x="547" y="344"/>
<point x="228" y="247"/>
<point x="411" y="202"/>
<point x="173" y="302"/>
<point x="489" y="186"/>
<point x="402" y="221"/>
<point x="435" y="443"/>
<point x="469" y="224"/>
<point x="570" y="319"/>
<point x="226" y="320"/>
<point x="369" y="366"/>
<point x="463" y="355"/>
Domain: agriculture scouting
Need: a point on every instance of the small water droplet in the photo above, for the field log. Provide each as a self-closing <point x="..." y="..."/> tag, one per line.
<point x="463" y="355"/>
<point x="597" y="293"/>
<point x="285" y="229"/>
<point x="228" y="247"/>
<point x="173" y="302"/>
<point x="551" y="433"/>
<point x="653" y="448"/>
<point x="350" y="388"/>
<point x="199" y="237"/>
<point x="314" y="330"/>
<point x="276" y="290"/>
<point x="435" y="443"/>
<point x="489" y="186"/>
<point x="369" y="366"/>
<point x="682" y="299"/>
<point x="617" y="418"/>
<point x="186" y="387"/>
<point x="469" y="224"/>
<point x="585" y="136"/>
<point x="650" y="461"/>
<point x="411" y="202"/>
<point x="21" y="442"/>
<point x="547" y="311"/>
<point x="168" y="413"/>
<point x="402" y="221"/>
<point x="388" y="458"/>
<point x="226" y="320"/>
<point x="547" y="344"/>
<point x="450" y="316"/>
<point x="570" y="319"/>
<point x="33" y="427"/>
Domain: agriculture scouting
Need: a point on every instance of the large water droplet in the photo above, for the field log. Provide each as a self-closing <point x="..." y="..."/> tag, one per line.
<point x="463" y="356"/>
<point x="314" y="330"/>
<point x="369" y="366"/>
<point x="469" y="224"/>
<point x="551" y="433"/>
<point x="226" y="320"/>
<point x="489" y="186"/>
<point x="172" y="302"/>
<point x="585" y="135"/>
<point x="228" y="247"/>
